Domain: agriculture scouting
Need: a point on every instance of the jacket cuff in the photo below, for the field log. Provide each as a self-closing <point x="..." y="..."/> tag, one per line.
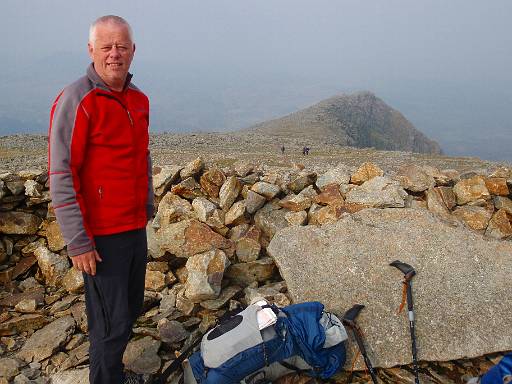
<point x="75" y="251"/>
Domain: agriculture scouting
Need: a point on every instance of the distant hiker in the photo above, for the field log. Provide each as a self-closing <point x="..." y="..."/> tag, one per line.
<point x="304" y="151"/>
<point x="307" y="150"/>
<point x="282" y="150"/>
<point x="98" y="140"/>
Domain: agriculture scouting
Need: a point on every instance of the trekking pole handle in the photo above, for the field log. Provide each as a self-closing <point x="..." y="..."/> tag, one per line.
<point x="405" y="268"/>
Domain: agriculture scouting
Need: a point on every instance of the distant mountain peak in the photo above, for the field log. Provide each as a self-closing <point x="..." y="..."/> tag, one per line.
<point x="358" y="120"/>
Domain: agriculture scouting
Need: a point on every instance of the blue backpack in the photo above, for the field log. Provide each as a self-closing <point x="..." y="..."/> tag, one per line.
<point x="501" y="373"/>
<point x="304" y="338"/>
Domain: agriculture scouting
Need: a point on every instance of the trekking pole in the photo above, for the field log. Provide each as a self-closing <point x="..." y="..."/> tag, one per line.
<point x="162" y="378"/>
<point x="409" y="273"/>
<point x="349" y="319"/>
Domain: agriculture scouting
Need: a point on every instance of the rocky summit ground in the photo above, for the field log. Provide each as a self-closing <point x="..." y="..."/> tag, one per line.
<point x="43" y="334"/>
<point x="19" y="152"/>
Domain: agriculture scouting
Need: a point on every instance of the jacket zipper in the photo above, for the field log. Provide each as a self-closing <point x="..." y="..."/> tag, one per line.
<point x="100" y="192"/>
<point x="121" y="103"/>
<point x="129" y="117"/>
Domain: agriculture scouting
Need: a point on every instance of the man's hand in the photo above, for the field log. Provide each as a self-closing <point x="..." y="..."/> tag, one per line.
<point x="86" y="262"/>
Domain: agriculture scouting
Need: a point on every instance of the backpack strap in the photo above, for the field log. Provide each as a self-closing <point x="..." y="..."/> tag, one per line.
<point x="293" y="367"/>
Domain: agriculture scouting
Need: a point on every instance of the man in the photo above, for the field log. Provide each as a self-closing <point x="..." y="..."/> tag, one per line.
<point x="101" y="189"/>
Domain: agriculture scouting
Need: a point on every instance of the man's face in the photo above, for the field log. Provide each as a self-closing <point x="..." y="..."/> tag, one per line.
<point x="112" y="53"/>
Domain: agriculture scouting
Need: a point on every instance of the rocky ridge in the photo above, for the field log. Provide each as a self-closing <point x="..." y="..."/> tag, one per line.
<point x="208" y="247"/>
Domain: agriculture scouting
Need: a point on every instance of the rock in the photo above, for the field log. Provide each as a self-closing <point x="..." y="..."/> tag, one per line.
<point x="64" y="304"/>
<point x="267" y="190"/>
<point x="379" y="192"/>
<point x="172" y="209"/>
<point x="301" y="181"/>
<point x="246" y="273"/>
<point x="54" y="236"/>
<point x="295" y="203"/>
<point x="2" y="189"/>
<point x="9" y="368"/>
<point x="268" y="292"/>
<point x="189" y="237"/>
<point x="205" y="272"/>
<point x="225" y="295"/>
<point x="23" y="266"/>
<point x="188" y="189"/>
<point x="216" y="221"/>
<point x="19" y="223"/>
<point x="74" y="376"/>
<point x="163" y="177"/>
<point x="141" y="356"/>
<point x="497" y="186"/>
<point x="270" y="220"/>
<point x="472" y="189"/>
<point x="192" y="168"/>
<point x="474" y="217"/>
<point x="26" y="306"/>
<point x="53" y="266"/>
<point x="339" y="175"/>
<point x="160" y="266"/>
<point x="46" y="341"/>
<point x="248" y="247"/>
<point x="348" y="261"/>
<point x="35" y="292"/>
<point x="21" y="324"/>
<point x="155" y="281"/>
<point x="504" y="203"/>
<point x="242" y="168"/>
<point x="31" y="284"/>
<point x="435" y="202"/>
<point x="499" y="226"/>
<point x="183" y="304"/>
<point x="296" y="218"/>
<point x="211" y="181"/>
<point x="330" y="195"/>
<point x="415" y="179"/>
<point x="79" y="314"/>
<point x="167" y="302"/>
<point x="203" y="208"/>
<point x="33" y="188"/>
<point x="171" y="332"/>
<point x="236" y="214"/>
<point x="254" y="201"/>
<point x="229" y="192"/>
<point x="73" y="281"/>
<point x="15" y="184"/>
<point x="365" y="172"/>
<point x="326" y="215"/>
<point x="154" y="249"/>
<point x="447" y="196"/>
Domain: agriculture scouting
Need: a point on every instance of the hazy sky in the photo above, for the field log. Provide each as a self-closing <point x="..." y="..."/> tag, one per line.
<point x="225" y="64"/>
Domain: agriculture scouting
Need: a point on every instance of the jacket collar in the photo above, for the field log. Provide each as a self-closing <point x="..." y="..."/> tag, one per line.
<point x="99" y="83"/>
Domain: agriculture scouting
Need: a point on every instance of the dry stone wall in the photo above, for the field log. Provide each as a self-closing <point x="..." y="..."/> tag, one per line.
<point x="208" y="252"/>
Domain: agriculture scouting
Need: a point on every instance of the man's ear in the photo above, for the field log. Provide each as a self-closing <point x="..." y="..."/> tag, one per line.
<point x="90" y="48"/>
<point x="133" y="47"/>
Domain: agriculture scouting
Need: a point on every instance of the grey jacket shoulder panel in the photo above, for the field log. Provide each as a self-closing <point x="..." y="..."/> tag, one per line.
<point x="62" y="189"/>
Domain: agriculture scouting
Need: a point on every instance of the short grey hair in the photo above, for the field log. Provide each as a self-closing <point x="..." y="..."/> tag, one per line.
<point x="109" y="19"/>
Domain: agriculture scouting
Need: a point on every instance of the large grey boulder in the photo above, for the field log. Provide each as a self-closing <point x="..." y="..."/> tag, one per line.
<point x="462" y="293"/>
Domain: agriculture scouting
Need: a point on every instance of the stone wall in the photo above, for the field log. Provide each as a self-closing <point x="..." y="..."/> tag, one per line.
<point x="208" y="248"/>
